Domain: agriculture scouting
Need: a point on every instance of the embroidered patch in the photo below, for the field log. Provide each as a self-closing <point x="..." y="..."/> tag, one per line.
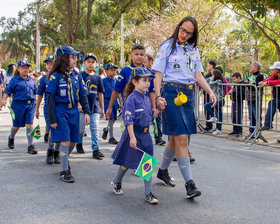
<point x="176" y="66"/>
<point x="139" y="110"/>
<point x="63" y="92"/>
<point x="52" y="77"/>
<point x="128" y="112"/>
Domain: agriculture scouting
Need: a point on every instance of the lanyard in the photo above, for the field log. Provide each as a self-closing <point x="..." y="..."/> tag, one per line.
<point x="189" y="61"/>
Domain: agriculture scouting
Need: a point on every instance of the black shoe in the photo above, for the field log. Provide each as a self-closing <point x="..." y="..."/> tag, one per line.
<point x="239" y="134"/>
<point x="174" y="159"/>
<point x="164" y="177"/>
<point x="56" y="157"/>
<point x="264" y="128"/>
<point x="206" y="129"/>
<point x="96" y="155"/>
<point x="192" y="160"/>
<point x="46" y="137"/>
<point x="100" y="153"/>
<point x="160" y="142"/>
<point x="31" y="149"/>
<point x="80" y="149"/>
<point x="233" y="133"/>
<point x="113" y="141"/>
<point x="105" y="133"/>
<point x="150" y="198"/>
<point x="49" y="159"/>
<point x="85" y="134"/>
<point x="191" y="190"/>
<point x="66" y="176"/>
<point x="11" y="143"/>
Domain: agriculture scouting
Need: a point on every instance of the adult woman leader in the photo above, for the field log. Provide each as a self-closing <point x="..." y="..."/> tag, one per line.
<point x="178" y="67"/>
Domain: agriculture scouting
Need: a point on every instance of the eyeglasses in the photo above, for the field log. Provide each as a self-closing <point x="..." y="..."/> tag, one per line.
<point x="25" y="67"/>
<point x="184" y="31"/>
<point x="74" y="57"/>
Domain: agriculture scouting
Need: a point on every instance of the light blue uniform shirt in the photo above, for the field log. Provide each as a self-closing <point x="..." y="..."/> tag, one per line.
<point x="178" y="66"/>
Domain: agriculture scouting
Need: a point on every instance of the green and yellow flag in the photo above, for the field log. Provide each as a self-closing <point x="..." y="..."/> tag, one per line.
<point x="155" y="127"/>
<point x="252" y="78"/>
<point x="122" y="127"/>
<point x="146" y="166"/>
<point x="36" y="133"/>
<point x="12" y="112"/>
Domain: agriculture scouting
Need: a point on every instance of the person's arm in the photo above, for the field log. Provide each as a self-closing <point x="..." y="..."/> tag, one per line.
<point x="85" y="107"/>
<point x="269" y="82"/>
<point x="132" y="137"/>
<point x="112" y="100"/>
<point x="204" y="85"/>
<point x="101" y="101"/>
<point x="160" y="101"/>
<point x="0" y="97"/>
<point x="39" y="100"/>
<point x="153" y="99"/>
<point x="156" y="113"/>
<point x="120" y="101"/>
<point x="4" y="99"/>
<point x="51" y="110"/>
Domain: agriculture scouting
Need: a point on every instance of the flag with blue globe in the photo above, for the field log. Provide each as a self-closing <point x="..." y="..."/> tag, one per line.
<point x="146" y="166"/>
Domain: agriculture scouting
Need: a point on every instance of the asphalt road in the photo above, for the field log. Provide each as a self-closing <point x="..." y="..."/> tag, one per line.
<point x="239" y="184"/>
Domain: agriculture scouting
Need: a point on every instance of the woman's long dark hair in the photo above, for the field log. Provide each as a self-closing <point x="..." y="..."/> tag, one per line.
<point x="16" y="73"/>
<point x="130" y="87"/>
<point x="193" y="40"/>
<point x="10" y="70"/>
<point x="218" y="75"/>
<point x="61" y="65"/>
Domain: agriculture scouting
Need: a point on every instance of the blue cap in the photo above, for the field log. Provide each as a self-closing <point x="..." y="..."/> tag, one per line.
<point x="108" y="66"/>
<point x="22" y="63"/>
<point x="49" y="58"/>
<point x="66" y="50"/>
<point x="90" y="55"/>
<point x="140" y="72"/>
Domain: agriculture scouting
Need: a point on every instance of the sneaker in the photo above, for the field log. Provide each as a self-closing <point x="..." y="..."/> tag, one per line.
<point x="66" y="176"/>
<point x="80" y="149"/>
<point x="217" y="132"/>
<point x="100" y="153"/>
<point x="160" y="142"/>
<point x="164" y="177"/>
<point x="174" y="159"/>
<point x="192" y="160"/>
<point x="150" y="198"/>
<point x="49" y="159"/>
<point x="206" y="130"/>
<point x="191" y="190"/>
<point x="11" y="143"/>
<point x="233" y="133"/>
<point x="46" y="137"/>
<point x="112" y="141"/>
<point x="56" y="157"/>
<point x="96" y="155"/>
<point x="117" y="188"/>
<point x="31" y="149"/>
<point x="264" y="128"/>
<point x="212" y="119"/>
<point x="85" y="134"/>
<point x="239" y="134"/>
<point x="105" y="133"/>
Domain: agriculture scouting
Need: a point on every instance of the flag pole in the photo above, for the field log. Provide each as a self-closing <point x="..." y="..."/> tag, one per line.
<point x="140" y="150"/>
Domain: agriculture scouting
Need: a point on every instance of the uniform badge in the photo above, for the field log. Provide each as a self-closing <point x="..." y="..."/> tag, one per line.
<point x="193" y="54"/>
<point x="52" y="77"/>
<point x="176" y="66"/>
<point x="160" y="50"/>
<point x="63" y="92"/>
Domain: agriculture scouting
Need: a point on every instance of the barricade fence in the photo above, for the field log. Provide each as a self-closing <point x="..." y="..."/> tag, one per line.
<point x="245" y="106"/>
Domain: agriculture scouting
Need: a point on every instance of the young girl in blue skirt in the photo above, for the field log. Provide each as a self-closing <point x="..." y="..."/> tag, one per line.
<point x="137" y="116"/>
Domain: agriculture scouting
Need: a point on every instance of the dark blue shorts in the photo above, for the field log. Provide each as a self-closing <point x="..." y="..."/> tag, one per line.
<point x="114" y="114"/>
<point x="178" y="120"/>
<point x="68" y="128"/>
<point x="24" y="113"/>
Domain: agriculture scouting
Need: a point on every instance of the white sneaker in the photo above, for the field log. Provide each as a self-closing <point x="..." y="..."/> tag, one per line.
<point x="117" y="188"/>
<point x="212" y="119"/>
<point x="217" y="132"/>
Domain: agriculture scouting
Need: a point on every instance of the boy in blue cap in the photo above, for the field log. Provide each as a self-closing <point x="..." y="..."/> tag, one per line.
<point x="23" y="90"/>
<point x="65" y="90"/>
<point x="52" y="155"/>
<point x="109" y="84"/>
<point x="137" y="57"/>
<point x="95" y="100"/>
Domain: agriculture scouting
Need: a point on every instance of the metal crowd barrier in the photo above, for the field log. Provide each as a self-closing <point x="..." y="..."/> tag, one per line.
<point x="254" y="103"/>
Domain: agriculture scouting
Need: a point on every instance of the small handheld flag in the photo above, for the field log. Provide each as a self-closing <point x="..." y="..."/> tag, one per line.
<point x="146" y="166"/>
<point x="122" y="127"/>
<point x="155" y="127"/>
<point x="12" y="112"/>
<point x="36" y="133"/>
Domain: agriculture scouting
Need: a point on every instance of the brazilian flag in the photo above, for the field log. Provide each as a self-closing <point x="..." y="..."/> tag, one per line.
<point x="12" y="112"/>
<point x="122" y="127"/>
<point x="155" y="127"/>
<point x="36" y="133"/>
<point x="252" y="78"/>
<point x="146" y="166"/>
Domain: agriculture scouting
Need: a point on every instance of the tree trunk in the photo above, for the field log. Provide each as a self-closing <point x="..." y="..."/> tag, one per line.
<point x="78" y="4"/>
<point x="121" y="12"/>
<point x="71" y="37"/>
<point x="90" y="3"/>
<point x="256" y="51"/>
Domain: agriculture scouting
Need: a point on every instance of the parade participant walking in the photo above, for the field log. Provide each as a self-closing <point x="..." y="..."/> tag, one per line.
<point x="137" y="116"/>
<point x="23" y="90"/>
<point x="178" y="67"/>
<point x="137" y="57"/>
<point x="95" y="99"/>
<point x="109" y="84"/>
<point x="53" y="149"/>
<point x="9" y="74"/>
<point x="65" y="90"/>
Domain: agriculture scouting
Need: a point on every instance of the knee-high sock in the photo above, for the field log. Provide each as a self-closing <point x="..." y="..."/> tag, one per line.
<point x="119" y="176"/>
<point x="168" y="156"/>
<point x="148" y="186"/>
<point x="185" y="168"/>
<point x="50" y="144"/>
<point x="57" y="146"/>
<point x="29" y="138"/>
<point x="110" y="129"/>
<point x="71" y="149"/>
<point x="64" y="150"/>
<point x="13" y="133"/>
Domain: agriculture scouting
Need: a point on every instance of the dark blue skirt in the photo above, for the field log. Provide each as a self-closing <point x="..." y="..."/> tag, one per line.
<point x="178" y="120"/>
<point x="129" y="157"/>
